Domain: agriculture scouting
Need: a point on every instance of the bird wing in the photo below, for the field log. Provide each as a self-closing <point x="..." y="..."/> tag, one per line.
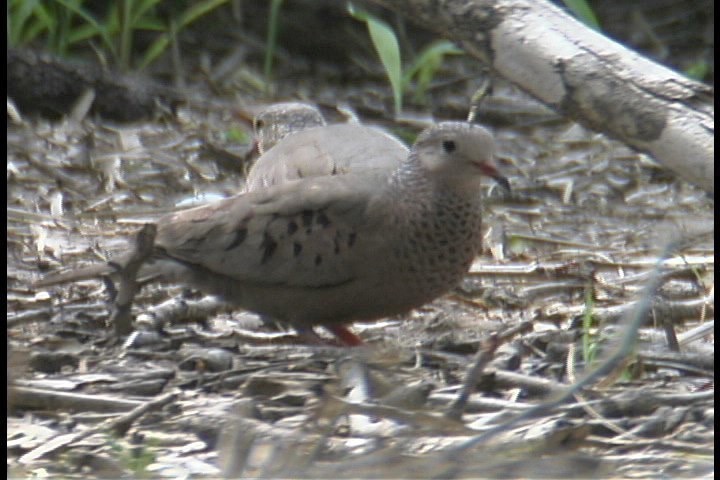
<point x="305" y="233"/>
<point x="331" y="150"/>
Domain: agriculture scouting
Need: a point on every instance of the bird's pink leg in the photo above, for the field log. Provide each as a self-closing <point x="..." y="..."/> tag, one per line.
<point x="344" y="335"/>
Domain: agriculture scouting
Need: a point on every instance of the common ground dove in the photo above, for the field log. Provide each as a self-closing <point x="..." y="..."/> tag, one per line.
<point x="279" y="120"/>
<point x="331" y="250"/>
<point x="320" y="152"/>
<point x="296" y="143"/>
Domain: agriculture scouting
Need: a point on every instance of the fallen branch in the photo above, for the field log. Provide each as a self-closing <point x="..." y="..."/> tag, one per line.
<point x="584" y="75"/>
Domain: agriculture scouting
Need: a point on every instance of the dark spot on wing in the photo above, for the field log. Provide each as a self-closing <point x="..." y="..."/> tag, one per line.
<point x="299" y="173"/>
<point x="351" y="239"/>
<point x="334" y="170"/>
<point x="323" y="219"/>
<point x="297" y="248"/>
<point x="336" y="243"/>
<point x="318" y="260"/>
<point x="240" y="236"/>
<point x="268" y="247"/>
<point x="292" y="227"/>
<point x="307" y="217"/>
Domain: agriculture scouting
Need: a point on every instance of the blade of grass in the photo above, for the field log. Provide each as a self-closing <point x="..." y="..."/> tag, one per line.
<point x="697" y="70"/>
<point x="388" y="50"/>
<point x="191" y="14"/>
<point x="18" y="17"/>
<point x="141" y="11"/>
<point x="589" y="343"/>
<point x="582" y="10"/>
<point x="27" y="21"/>
<point x="197" y="10"/>
<point x="133" y="14"/>
<point x="125" y="10"/>
<point x="77" y="9"/>
<point x="271" y="42"/>
<point x="426" y="65"/>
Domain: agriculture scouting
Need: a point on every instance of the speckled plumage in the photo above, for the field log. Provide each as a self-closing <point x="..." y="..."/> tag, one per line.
<point x="336" y="249"/>
<point x="277" y="121"/>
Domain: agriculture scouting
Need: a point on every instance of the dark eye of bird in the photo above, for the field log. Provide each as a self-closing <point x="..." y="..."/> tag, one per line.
<point x="448" y="146"/>
<point x="259" y="124"/>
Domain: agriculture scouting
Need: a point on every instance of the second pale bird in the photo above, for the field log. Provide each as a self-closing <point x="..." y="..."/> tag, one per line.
<point x="296" y="143"/>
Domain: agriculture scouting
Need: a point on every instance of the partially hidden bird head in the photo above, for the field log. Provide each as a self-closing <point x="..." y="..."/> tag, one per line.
<point x="277" y="121"/>
<point x="459" y="152"/>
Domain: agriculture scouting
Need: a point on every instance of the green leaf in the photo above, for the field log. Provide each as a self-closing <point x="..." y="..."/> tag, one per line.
<point x="82" y="32"/>
<point x="19" y="15"/>
<point x="426" y="65"/>
<point x="237" y="135"/>
<point x="34" y="29"/>
<point x="188" y="16"/>
<point x="698" y="70"/>
<point x="581" y="9"/>
<point x="387" y="48"/>
<point x="139" y="9"/>
<point x="27" y="20"/>
<point x="154" y="50"/>
<point x="151" y="24"/>
<point x="271" y="43"/>
<point x="589" y="342"/>
<point x="76" y="8"/>
<point x="198" y="10"/>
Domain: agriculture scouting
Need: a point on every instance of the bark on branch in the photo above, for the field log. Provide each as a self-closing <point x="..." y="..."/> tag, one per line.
<point x="584" y="75"/>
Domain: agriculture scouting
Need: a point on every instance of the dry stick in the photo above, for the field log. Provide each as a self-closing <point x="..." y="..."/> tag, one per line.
<point x="582" y="74"/>
<point x="62" y="179"/>
<point x="533" y="385"/>
<point x="616" y="357"/>
<point x="31" y="398"/>
<point x="128" y="286"/>
<point x="670" y="335"/>
<point x="584" y="402"/>
<point x="121" y="425"/>
<point x="480" y="94"/>
<point x="482" y="358"/>
<point x="118" y="426"/>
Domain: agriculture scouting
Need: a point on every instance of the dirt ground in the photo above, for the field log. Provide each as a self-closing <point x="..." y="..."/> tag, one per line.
<point x="593" y="240"/>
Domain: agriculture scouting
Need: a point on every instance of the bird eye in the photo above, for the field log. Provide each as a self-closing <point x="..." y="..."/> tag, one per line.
<point x="259" y="124"/>
<point x="449" y="146"/>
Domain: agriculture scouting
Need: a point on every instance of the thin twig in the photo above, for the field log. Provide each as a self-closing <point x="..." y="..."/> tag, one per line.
<point x="128" y="285"/>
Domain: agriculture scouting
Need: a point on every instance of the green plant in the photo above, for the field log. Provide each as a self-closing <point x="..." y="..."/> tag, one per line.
<point x="26" y="20"/>
<point x="56" y="21"/>
<point x="186" y="17"/>
<point x="698" y="70"/>
<point x="590" y="341"/>
<point x="68" y="23"/>
<point x="422" y="69"/>
<point x="134" y="458"/>
<point x="272" y="35"/>
<point x="582" y="10"/>
<point x="426" y="65"/>
<point x="386" y="45"/>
